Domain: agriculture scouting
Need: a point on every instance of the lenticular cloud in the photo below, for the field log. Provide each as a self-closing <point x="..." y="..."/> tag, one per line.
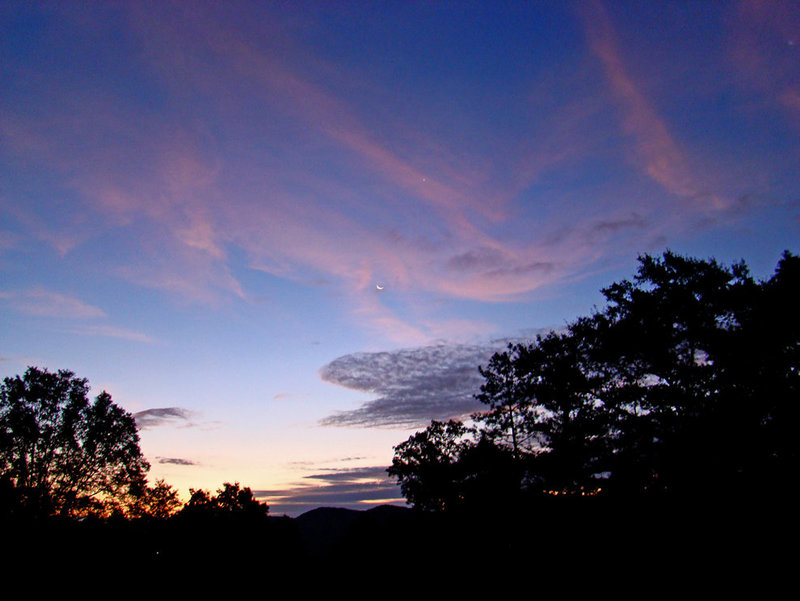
<point x="413" y="386"/>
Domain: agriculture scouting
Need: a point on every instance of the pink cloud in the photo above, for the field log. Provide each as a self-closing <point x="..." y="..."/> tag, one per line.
<point x="145" y="177"/>
<point x="790" y="98"/>
<point x="8" y="240"/>
<point x="271" y="228"/>
<point x="661" y="157"/>
<point x="765" y="48"/>
<point x="162" y="182"/>
<point x="46" y="303"/>
<point x="108" y="331"/>
<point x="281" y="86"/>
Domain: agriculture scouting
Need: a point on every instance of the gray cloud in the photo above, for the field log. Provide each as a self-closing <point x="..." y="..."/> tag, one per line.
<point x="592" y="232"/>
<point x="524" y="269"/>
<point x="477" y="258"/>
<point x="493" y="263"/>
<point x="151" y="418"/>
<point x="743" y="207"/>
<point x="175" y="461"/>
<point x="634" y="221"/>
<point x="354" y="488"/>
<point x="333" y="474"/>
<point x="413" y="386"/>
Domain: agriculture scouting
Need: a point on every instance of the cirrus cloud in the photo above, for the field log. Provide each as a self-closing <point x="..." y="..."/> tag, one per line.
<point x="46" y="303"/>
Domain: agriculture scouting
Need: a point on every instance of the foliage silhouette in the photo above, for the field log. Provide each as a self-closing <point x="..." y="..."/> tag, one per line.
<point x="427" y="465"/>
<point x="157" y="501"/>
<point x="231" y="499"/>
<point x="685" y="384"/>
<point x="62" y="453"/>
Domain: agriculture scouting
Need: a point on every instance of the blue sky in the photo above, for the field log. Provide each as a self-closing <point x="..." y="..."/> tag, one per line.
<point x="198" y="202"/>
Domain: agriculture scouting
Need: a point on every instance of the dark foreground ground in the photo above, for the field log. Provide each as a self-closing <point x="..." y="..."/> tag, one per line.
<point x="567" y="540"/>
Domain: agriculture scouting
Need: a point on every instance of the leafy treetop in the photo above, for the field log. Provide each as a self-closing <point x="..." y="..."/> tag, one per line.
<point x="62" y="452"/>
<point x="686" y="383"/>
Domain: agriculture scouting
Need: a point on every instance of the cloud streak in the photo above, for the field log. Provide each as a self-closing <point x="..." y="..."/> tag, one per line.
<point x="663" y="159"/>
<point x="115" y="332"/>
<point x="54" y="305"/>
<point x="765" y="48"/>
<point x="46" y="303"/>
<point x="163" y="416"/>
<point x="291" y="218"/>
<point x="353" y="488"/>
<point x="175" y="461"/>
<point x="268" y="228"/>
<point x="280" y="168"/>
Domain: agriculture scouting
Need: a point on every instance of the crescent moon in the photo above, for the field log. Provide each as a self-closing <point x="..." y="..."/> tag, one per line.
<point x="378" y="287"/>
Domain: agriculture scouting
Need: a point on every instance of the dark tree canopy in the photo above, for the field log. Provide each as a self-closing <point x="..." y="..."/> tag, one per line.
<point x="157" y="501"/>
<point x="62" y="452"/>
<point x="686" y="383"/>
<point x="426" y="465"/>
<point x="231" y="500"/>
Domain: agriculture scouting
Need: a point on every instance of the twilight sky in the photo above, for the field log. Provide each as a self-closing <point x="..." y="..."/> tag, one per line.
<point x="199" y="201"/>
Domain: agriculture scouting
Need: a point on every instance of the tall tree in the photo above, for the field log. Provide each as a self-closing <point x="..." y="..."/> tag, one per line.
<point x="666" y="331"/>
<point x="687" y="382"/>
<point x="511" y="418"/>
<point x="759" y="382"/>
<point x="544" y="405"/>
<point x="62" y="452"/>
<point x="427" y="466"/>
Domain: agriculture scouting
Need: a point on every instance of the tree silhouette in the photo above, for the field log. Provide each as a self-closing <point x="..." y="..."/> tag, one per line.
<point x="427" y="466"/>
<point x="231" y="499"/>
<point x="61" y="452"/>
<point x="685" y="383"/>
<point x="157" y="501"/>
<point x="510" y="420"/>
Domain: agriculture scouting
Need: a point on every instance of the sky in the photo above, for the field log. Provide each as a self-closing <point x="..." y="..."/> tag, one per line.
<point x="284" y="235"/>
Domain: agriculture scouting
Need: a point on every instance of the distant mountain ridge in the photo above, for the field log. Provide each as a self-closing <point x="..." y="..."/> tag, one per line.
<point x="324" y="529"/>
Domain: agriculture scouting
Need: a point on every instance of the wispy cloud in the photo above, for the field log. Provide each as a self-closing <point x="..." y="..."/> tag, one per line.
<point x="318" y="464"/>
<point x="606" y="227"/>
<point x="290" y="173"/>
<point x="171" y="200"/>
<point x="354" y="488"/>
<point x="8" y="240"/>
<point x="114" y="332"/>
<point x="662" y="158"/>
<point x="286" y="235"/>
<point x="176" y="461"/>
<point x="765" y="48"/>
<point x="163" y="416"/>
<point x="46" y="303"/>
<point x="351" y="474"/>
